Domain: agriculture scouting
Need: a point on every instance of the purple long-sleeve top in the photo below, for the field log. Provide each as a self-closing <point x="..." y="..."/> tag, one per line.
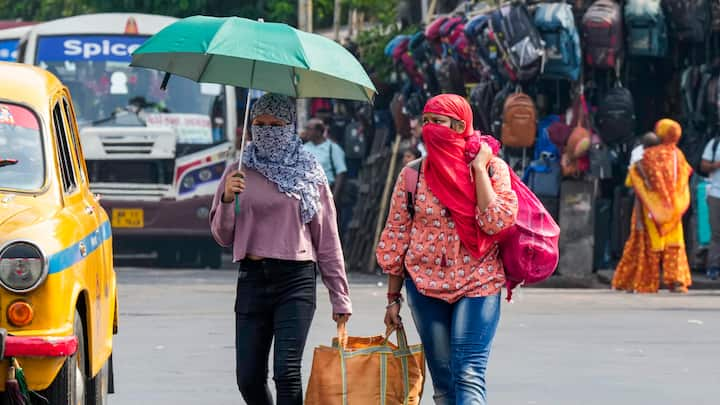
<point x="269" y="225"/>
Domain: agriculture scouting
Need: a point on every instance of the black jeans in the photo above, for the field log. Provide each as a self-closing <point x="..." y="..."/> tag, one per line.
<point x="275" y="299"/>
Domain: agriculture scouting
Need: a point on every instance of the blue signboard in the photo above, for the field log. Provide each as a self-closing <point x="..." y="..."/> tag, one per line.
<point x="8" y="50"/>
<point x="74" y="48"/>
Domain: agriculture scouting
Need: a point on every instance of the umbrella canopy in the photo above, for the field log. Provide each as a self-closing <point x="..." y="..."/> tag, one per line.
<point x="271" y="57"/>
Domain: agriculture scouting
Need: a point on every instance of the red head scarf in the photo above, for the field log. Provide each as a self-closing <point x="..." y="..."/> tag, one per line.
<point x="447" y="171"/>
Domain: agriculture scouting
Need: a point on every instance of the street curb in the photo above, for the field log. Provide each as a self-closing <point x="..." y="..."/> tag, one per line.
<point x="699" y="280"/>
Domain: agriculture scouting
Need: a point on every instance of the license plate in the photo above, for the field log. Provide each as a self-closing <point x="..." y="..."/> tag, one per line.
<point x="128" y="218"/>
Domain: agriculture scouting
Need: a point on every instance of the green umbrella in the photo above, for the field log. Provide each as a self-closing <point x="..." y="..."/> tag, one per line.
<point x="271" y="57"/>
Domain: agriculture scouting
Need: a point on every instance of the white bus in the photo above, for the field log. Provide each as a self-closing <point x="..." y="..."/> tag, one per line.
<point x="10" y="39"/>
<point x="155" y="157"/>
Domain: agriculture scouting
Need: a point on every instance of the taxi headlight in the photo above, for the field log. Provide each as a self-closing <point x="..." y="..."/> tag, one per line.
<point x="23" y="267"/>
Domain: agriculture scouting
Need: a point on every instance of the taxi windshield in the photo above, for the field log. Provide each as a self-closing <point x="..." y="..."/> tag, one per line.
<point x="22" y="166"/>
<point x="106" y="91"/>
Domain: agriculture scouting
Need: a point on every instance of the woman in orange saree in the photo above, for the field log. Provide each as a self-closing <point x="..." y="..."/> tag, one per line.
<point x="656" y="242"/>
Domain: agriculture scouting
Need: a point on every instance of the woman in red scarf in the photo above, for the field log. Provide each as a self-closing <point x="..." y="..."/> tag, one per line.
<point x="446" y="254"/>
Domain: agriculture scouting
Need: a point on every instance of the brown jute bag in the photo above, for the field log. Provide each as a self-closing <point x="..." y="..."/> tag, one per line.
<point x="366" y="371"/>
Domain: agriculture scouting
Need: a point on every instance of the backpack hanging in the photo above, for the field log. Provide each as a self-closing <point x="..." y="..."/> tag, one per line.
<point x="519" y="121"/>
<point x="496" y="112"/>
<point x="690" y="19"/>
<point x="646" y="28"/>
<point x="603" y="34"/>
<point x="556" y="25"/>
<point x="615" y="117"/>
<point x="518" y="41"/>
<point x="481" y="101"/>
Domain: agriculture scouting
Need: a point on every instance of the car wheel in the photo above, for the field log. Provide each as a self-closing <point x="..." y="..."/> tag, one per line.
<point x="99" y="386"/>
<point x="70" y="384"/>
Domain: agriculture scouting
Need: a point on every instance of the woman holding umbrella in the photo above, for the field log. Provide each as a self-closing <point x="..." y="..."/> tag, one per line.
<point x="285" y="227"/>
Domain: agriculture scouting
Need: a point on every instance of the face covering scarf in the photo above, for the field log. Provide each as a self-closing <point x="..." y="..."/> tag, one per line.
<point x="277" y="154"/>
<point x="447" y="169"/>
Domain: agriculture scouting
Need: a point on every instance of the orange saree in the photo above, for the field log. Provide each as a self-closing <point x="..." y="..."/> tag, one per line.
<point x="656" y="242"/>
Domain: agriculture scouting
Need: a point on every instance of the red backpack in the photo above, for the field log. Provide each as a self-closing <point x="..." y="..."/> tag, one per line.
<point x="602" y="30"/>
<point x="529" y="250"/>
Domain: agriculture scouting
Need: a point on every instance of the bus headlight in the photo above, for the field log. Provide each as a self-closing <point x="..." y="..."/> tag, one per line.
<point x="23" y="267"/>
<point x="188" y="182"/>
<point x="205" y="175"/>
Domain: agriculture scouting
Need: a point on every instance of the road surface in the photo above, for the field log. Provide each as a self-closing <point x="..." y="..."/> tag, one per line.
<point x="553" y="347"/>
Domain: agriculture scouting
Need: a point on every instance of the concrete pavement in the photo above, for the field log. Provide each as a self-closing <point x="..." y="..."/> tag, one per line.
<point x="554" y="347"/>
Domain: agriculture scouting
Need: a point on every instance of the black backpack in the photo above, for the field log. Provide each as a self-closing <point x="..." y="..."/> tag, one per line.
<point x="519" y="41"/>
<point x="498" y="107"/>
<point x="449" y="76"/>
<point x="615" y="118"/>
<point x="481" y="101"/>
<point x="690" y="19"/>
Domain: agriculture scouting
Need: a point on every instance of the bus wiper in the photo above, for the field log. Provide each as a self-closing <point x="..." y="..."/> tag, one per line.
<point x="113" y="115"/>
<point x="8" y="162"/>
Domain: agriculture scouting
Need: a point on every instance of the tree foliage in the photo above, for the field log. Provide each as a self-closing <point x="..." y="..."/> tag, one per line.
<point x="272" y="10"/>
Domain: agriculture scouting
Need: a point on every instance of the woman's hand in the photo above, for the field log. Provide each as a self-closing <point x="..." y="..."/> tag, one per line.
<point x="234" y="184"/>
<point x="392" y="317"/>
<point x="483" y="157"/>
<point x="341" y="318"/>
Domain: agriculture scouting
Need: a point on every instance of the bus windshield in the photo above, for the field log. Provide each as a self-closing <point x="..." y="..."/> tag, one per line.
<point x="108" y="92"/>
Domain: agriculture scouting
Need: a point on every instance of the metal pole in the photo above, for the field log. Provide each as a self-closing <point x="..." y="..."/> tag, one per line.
<point x="303" y="24"/>
<point x="424" y="9"/>
<point x="336" y="19"/>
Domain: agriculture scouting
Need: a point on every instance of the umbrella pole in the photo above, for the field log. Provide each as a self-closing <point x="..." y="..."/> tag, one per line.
<point x="242" y="144"/>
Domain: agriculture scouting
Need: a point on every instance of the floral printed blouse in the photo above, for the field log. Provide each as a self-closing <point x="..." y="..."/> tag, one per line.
<point x="430" y="249"/>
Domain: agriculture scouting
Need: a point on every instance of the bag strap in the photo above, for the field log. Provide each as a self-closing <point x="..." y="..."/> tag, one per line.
<point x="342" y="335"/>
<point x="402" y="342"/>
<point x="411" y="177"/>
<point x="332" y="161"/>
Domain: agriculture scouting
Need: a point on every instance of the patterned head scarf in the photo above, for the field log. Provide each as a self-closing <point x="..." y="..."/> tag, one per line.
<point x="278" y="106"/>
<point x="277" y="154"/>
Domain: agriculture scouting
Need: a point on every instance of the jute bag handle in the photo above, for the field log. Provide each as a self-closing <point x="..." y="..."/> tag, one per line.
<point x="342" y="335"/>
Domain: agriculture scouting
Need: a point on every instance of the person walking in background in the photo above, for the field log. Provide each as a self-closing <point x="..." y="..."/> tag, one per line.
<point x="284" y="227"/>
<point x="328" y="153"/>
<point x="711" y="166"/>
<point x="660" y="181"/>
<point x="410" y="154"/>
<point x="442" y="249"/>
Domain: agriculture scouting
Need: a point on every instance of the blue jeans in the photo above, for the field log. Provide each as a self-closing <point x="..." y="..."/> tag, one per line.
<point x="457" y="339"/>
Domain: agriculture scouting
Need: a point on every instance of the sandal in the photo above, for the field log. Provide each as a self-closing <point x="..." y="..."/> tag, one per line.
<point x="679" y="289"/>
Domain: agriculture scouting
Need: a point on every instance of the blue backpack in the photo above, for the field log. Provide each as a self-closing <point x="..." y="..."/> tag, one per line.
<point x="556" y="25"/>
<point x="646" y="28"/>
<point x="544" y="173"/>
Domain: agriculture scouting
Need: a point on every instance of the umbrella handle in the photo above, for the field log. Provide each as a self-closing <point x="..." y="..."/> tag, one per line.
<point x="242" y="146"/>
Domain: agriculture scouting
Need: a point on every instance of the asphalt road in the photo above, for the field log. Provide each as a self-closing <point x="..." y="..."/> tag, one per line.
<point x="554" y="347"/>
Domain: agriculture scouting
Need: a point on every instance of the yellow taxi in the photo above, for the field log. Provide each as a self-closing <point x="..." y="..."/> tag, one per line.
<point x="58" y="295"/>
